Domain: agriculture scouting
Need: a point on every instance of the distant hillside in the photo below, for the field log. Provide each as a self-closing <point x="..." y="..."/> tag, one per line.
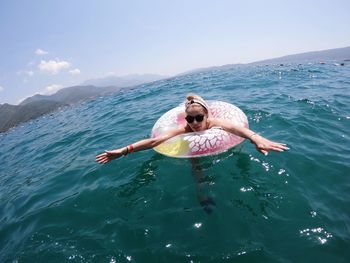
<point x="336" y="54"/>
<point x="72" y="94"/>
<point x="37" y="105"/>
<point x="12" y="115"/>
<point x="124" y="81"/>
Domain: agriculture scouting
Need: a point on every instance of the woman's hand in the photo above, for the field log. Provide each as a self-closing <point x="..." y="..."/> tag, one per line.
<point x="109" y="156"/>
<point x="264" y="145"/>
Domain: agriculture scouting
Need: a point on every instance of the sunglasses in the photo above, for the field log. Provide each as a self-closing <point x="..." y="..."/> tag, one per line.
<point x="198" y="118"/>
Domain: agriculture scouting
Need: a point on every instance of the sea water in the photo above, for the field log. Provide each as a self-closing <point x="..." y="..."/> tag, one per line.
<point x="58" y="205"/>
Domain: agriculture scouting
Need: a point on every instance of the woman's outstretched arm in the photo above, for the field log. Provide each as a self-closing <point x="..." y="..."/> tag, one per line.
<point x="137" y="146"/>
<point x="262" y="144"/>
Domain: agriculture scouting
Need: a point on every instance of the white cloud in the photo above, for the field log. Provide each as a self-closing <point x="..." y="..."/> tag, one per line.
<point x="51" y="89"/>
<point x="1" y="88"/>
<point x="41" y="52"/>
<point x="53" y="66"/>
<point x="28" y="73"/>
<point x="110" y="74"/>
<point x="75" y="71"/>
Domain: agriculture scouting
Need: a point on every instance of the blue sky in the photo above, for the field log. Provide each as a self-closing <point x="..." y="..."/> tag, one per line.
<point x="47" y="45"/>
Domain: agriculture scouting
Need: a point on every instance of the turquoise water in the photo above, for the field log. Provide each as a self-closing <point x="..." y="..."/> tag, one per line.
<point x="58" y="205"/>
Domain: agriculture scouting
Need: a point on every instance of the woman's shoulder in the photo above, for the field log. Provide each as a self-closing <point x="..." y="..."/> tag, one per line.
<point x="213" y="122"/>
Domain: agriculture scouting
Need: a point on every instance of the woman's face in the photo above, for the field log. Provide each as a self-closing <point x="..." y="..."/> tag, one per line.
<point x="196" y="118"/>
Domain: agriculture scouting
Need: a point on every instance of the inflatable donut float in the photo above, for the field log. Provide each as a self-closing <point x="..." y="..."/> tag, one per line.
<point x="197" y="144"/>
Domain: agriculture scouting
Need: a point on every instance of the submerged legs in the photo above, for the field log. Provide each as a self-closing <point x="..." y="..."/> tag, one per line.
<point x="204" y="199"/>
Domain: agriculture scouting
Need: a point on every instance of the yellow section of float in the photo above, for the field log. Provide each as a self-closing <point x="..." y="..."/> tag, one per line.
<point x="174" y="147"/>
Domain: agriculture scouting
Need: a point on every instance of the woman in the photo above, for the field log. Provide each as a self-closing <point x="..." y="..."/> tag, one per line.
<point x="198" y="119"/>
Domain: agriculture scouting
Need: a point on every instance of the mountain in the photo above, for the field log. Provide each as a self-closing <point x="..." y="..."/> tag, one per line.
<point x="72" y="94"/>
<point x="12" y="115"/>
<point x="124" y="81"/>
<point x="37" y="105"/>
<point x="336" y="54"/>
